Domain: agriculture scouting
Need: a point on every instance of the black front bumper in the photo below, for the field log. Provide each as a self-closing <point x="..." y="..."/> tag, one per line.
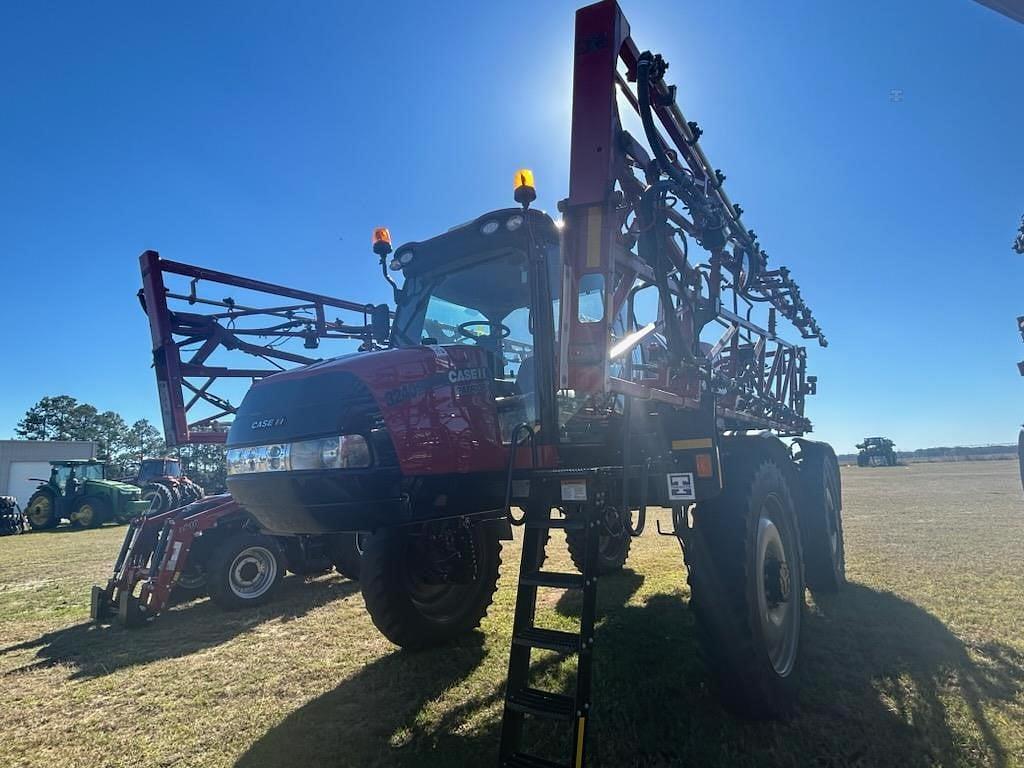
<point x="323" y="501"/>
<point x="334" y="501"/>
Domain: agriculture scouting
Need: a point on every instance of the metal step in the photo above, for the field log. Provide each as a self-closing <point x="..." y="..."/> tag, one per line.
<point x="553" y="706"/>
<point x="519" y="760"/>
<point x="551" y="639"/>
<point x="551" y="579"/>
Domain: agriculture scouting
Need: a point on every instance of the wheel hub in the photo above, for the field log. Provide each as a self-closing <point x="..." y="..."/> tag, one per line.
<point x="253" y="572"/>
<point x="39" y="512"/>
<point x="84" y="514"/>
<point x="776" y="581"/>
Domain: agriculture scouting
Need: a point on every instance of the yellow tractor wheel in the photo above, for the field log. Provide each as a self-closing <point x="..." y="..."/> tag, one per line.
<point x="90" y="513"/>
<point x="42" y="511"/>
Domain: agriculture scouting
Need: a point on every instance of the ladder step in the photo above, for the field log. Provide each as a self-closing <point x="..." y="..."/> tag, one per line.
<point x="563" y="523"/>
<point x="551" y="639"/>
<point x="550" y="579"/>
<point x="519" y="760"/>
<point x="554" y="706"/>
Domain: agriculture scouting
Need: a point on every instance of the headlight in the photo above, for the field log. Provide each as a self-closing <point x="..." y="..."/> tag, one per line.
<point x="514" y="223"/>
<point x="342" y="452"/>
<point x="353" y="452"/>
<point x="306" y="455"/>
<point x="258" y="458"/>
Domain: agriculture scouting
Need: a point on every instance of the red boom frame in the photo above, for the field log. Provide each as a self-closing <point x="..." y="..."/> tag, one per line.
<point x="761" y="379"/>
<point x="184" y="341"/>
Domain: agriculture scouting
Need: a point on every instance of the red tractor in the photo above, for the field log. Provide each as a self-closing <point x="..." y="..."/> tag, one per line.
<point x="580" y="369"/>
<point x="164" y="485"/>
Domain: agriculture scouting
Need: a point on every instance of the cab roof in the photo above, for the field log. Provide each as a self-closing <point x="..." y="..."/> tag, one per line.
<point x="472" y="239"/>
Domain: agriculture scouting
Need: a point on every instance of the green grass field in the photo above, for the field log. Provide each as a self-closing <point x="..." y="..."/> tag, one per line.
<point x="920" y="662"/>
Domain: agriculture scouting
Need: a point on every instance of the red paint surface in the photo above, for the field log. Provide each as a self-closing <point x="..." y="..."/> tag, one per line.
<point x="442" y="426"/>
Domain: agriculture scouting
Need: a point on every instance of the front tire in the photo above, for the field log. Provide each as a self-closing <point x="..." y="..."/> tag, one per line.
<point x="347" y="554"/>
<point x="245" y="570"/>
<point x="423" y="587"/>
<point x="91" y="513"/>
<point x="746" y="581"/>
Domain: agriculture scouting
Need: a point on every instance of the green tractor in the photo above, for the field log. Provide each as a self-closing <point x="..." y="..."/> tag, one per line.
<point x="877" y="452"/>
<point x="78" y="491"/>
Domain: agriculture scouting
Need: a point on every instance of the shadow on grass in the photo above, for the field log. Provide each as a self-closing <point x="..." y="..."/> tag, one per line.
<point x="97" y="650"/>
<point x="886" y="684"/>
<point x="370" y="719"/>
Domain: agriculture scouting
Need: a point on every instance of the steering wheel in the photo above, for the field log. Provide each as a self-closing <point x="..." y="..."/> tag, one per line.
<point x="503" y="330"/>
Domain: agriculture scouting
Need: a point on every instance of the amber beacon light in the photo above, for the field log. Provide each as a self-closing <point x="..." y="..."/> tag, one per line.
<point x="525" y="191"/>
<point x="381" y="241"/>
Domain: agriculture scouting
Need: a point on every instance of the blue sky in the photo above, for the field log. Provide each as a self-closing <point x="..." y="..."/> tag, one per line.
<point x="876" y="148"/>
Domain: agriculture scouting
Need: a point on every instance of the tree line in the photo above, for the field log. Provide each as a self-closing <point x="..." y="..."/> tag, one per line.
<point x="119" y="444"/>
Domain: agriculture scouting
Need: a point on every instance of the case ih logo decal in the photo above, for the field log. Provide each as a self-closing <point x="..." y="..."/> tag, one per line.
<point x="467" y="381"/>
<point x="460" y="375"/>
<point x="268" y="423"/>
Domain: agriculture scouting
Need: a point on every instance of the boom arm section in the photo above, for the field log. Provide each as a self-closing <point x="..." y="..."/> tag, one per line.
<point x="202" y="344"/>
<point x="635" y="206"/>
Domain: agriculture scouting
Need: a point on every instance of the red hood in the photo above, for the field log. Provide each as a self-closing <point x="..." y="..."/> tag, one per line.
<point x="436" y="402"/>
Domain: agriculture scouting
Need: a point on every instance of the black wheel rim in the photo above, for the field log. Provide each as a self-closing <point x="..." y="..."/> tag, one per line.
<point x="442" y="602"/>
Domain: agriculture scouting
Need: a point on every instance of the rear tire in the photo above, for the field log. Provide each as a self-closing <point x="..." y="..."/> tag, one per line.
<point x="160" y="498"/>
<point x="409" y="602"/>
<point x="612" y="548"/>
<point x="821" y="519"/>
<point x="195" y="490"/>
<point x="42" y="511"/>
<point x="191" y="583"/>
<point x="245" y="570"/>
<point x="745" y="571"/>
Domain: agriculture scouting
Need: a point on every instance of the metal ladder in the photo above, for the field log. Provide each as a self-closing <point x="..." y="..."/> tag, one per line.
<point x="520" y="699"/>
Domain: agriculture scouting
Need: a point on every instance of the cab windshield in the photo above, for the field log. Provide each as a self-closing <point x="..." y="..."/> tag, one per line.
<point x="82" y="472"/>
<point x="481" y="302"/>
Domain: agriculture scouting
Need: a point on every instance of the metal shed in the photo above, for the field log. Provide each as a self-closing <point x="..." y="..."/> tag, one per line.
<point x="24" y="459"/>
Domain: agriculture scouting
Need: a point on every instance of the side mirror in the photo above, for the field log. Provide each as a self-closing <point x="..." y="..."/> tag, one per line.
<point x="380" y="323"/>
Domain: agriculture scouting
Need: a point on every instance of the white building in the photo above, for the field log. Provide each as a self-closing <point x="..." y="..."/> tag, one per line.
<point x="24" y="459"/>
